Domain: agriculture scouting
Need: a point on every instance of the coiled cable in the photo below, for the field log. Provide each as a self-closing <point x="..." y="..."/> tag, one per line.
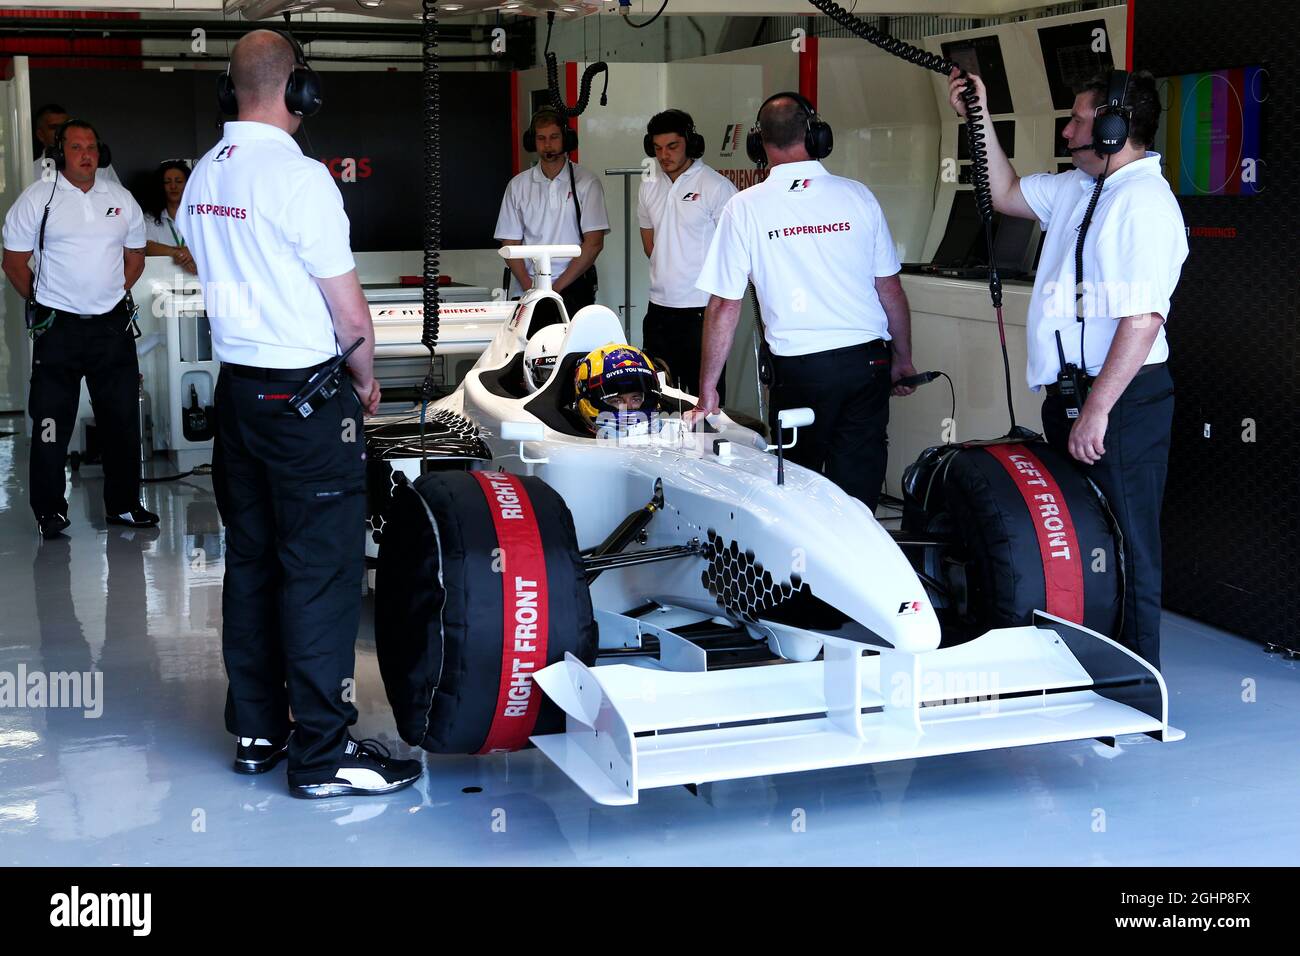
<point x="1079" y="305"/>
<point x="975" y="138"/>
<point x="584" y="91"/>
<point x="432" y="201"/>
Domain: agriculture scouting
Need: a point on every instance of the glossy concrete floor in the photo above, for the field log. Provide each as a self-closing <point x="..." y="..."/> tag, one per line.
<point x="148" y="781"/>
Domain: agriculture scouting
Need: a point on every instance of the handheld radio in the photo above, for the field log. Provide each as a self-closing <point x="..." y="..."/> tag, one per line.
<point x="323" y="385"/>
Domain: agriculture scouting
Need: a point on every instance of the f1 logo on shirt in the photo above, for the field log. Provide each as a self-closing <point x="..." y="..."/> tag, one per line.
<point x="225" y="153"/>
<point x="800" y="185"/>
<point x="910" y="607"/>
<point x="113" y="211"/>
<point x="690" y="197"/>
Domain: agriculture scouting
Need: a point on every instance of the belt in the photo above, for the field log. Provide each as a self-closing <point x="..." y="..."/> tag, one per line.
<point x="1055" y="390"/>
<point x="875" y="345"/>
<point x="112" y="313"/>
<point x="271" y="374"/>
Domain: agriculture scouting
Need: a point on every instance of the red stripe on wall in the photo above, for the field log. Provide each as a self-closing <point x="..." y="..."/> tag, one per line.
<point x="514" y="122"/>
<point x="1128" y="36"/>
<point x="571" y="95"/>
<point x="48" y="53"/>
<point x="808" y="70"/>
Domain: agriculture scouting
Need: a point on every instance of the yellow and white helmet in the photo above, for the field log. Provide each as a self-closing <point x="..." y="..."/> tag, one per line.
<point x="612" y="371"/>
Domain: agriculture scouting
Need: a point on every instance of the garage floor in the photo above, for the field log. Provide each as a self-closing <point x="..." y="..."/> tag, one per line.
<point x="148" y="782"/>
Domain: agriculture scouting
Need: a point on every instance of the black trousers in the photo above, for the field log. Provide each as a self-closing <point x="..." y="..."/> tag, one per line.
<point x="291" y="492"/>
<point x="675" y="335"/>
<point x="580" y="293"/>
<point x="848" y="391"/>
<point x="1132" y="477"/>
<point x="102" y="351"/>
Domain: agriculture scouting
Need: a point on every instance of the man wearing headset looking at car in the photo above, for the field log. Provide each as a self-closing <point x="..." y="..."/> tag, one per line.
<point x="835" y="317"/>
<point x="269" y="235"/>
<point x="1097" y="341"/>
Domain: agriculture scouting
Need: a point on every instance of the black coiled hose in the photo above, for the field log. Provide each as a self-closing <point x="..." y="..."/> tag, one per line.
<point x="589" y="74"/>
<point x="432" y="188"/>
<point x="432" y="203"/>
<point x="979" y="159"/>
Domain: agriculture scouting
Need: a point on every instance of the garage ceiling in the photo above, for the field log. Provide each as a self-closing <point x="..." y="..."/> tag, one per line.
<point x="564" y="9"/>
<point x="568" y="9"/>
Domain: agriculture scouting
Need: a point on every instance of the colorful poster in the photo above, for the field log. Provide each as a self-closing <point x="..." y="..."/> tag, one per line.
<point x="1210" y="132"/>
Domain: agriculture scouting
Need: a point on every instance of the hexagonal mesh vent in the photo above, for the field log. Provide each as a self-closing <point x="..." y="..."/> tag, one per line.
<point x="741" y="584"/>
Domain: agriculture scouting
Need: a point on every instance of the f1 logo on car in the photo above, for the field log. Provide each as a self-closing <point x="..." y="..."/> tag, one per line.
<point x="910" y="607"/>
<point x="799" y="185"/>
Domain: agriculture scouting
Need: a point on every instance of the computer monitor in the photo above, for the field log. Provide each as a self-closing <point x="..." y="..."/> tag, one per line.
<point x="1011" y="238"/>
<point x="983" y="57"/>
<point x="1074" y="53"/>
<point x="964" y="236"/>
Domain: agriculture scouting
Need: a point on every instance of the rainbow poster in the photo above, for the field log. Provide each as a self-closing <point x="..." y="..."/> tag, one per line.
<point x="1211" y="132"/>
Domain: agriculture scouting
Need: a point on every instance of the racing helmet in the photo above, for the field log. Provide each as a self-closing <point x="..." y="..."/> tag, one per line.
<point x="608" y="372"/>
<point x="542" y="354"/>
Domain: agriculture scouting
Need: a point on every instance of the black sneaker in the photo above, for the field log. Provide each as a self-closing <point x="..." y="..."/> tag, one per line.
<point x="52" y="526"/>
<point x="137" y="517"/>
<point x="367" y="768"/>
<point x="258" y="754"/>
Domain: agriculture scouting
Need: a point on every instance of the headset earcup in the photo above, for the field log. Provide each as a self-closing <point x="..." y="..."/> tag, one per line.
<point x="648" y="144"/>
<point x="529" y="141"/>
<point x="105" y="156"/>
<point x="820" y="140"/>
<point x="754" y="148"/>
<point x="1112" y="126"/>
<point x="694" y="145"/>
<point x="302" y="94"/>
<point x="226" y="100"/>
<point x="570" y="139"/>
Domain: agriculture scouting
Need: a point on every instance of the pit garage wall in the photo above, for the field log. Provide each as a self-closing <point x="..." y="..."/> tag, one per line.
<point x="1232" y="508"/>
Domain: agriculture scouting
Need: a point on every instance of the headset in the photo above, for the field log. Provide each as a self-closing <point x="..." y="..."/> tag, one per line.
<point x="550" y="113"/>
<point x="818" y="139"/>
<point x="694" y="141"/>
<point x="60" y="157"/>
<point x="302" y="92"/>
<point x="1111" y="121"/>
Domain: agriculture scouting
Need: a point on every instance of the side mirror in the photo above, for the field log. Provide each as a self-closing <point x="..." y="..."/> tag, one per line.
<point x="524" y="432"/>
<point x="794" y="419"/>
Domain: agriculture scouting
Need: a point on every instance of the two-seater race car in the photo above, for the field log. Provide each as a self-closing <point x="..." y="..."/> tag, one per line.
<point x="672" y="605"/>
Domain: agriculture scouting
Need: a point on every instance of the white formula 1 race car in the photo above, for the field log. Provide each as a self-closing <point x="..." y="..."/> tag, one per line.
<point x="672" y="606"/>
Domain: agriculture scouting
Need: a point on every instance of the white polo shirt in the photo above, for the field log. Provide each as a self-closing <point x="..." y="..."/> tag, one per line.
<point x="82" y="267"/>
<point x="163" y="229"/>
<point x="541" y="211"/>
<point x="262" y="220"/>
<point x="684" y="215"/>
<point x="813" y="244"/>
<point x="1132" y="257"/>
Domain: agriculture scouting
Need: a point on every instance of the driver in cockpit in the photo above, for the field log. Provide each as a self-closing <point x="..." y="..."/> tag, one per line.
<point x="616" y="386"/>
